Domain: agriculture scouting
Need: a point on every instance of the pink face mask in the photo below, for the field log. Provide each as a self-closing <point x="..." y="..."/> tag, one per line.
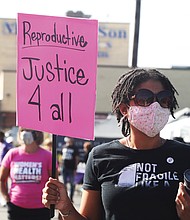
<point x="150" y="120"/>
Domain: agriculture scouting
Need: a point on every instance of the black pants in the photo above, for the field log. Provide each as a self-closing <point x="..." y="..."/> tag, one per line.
<point x="18" y="213"/>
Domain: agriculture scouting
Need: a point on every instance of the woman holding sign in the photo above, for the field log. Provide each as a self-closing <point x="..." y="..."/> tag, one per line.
<point x="139" y="177"/>
<point x="29" y="167"/>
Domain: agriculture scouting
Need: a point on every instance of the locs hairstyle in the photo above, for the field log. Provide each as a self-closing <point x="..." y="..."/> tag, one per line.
<point x="126" y="86"/>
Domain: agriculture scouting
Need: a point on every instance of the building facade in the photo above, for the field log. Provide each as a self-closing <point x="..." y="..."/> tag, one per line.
<point x="113" y="52"/>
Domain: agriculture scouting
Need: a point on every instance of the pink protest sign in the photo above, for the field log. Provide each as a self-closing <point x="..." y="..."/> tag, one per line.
<point x="56" y="74"/>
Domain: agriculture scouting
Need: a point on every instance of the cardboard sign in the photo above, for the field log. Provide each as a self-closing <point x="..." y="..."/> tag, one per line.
<point x="56" y="74"/>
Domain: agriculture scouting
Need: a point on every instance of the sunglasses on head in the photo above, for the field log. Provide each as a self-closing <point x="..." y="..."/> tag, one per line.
<point x="145" y="97"/>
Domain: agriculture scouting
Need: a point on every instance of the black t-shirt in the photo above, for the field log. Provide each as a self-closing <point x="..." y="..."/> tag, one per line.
<point x="137" y="184"/>
<point x="69" y="156"/>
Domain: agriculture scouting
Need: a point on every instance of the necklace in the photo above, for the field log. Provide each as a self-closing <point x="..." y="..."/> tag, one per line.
<point x="128" y="142"/>
<point x="130" y="145"/>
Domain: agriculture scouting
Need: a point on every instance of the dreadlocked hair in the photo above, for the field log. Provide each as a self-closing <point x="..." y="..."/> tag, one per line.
<point x="126" y="86"/>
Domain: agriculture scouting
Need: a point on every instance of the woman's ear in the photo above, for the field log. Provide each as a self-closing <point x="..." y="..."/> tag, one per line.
<point x="123" y="109"/>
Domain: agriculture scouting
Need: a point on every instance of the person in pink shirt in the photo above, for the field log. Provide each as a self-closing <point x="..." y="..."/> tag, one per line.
<point x="29" y="167"/>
